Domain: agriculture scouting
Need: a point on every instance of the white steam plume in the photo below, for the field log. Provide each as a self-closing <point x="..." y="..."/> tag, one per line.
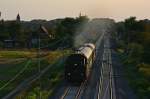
<point x="92" y="30"/>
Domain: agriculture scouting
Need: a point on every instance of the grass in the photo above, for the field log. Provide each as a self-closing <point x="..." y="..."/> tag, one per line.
<point x="17" y="54"/>
<point x="138" y="76"/>
<point x="11" y="75"/>
<point x="144" y="69"/>
<point x="8" y="71"/>
<point x="50" y="80"/>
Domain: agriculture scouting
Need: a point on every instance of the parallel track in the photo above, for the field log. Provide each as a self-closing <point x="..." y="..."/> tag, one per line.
<point x="74" y="92"/>
<point x="105" y="85"/>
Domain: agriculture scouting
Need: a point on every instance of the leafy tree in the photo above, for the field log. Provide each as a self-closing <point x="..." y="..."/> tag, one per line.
<point x="3" y="33"/>
<point x="135" y="52"/>
<point x="68" y="27"/>
<point x="82" y="19"/>
<point x="131" y="24"/>
<point x="136" y="37"/>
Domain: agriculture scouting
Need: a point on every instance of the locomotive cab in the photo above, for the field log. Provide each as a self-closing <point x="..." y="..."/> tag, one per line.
<point x="75" y="68"/>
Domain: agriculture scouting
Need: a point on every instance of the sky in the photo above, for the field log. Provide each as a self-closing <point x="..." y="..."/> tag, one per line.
<point x="52" y="9"/>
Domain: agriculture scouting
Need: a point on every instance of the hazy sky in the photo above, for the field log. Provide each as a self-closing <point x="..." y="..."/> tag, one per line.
<point x="51" y="9"/>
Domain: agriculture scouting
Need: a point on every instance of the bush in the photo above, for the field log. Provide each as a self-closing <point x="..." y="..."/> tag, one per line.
<point x="135" y="53"/>
<point x="1" y="44"/>
<point x="144" y="69"/>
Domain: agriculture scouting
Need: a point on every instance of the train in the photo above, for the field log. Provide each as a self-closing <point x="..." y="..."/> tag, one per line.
<point x="79" y="64"/>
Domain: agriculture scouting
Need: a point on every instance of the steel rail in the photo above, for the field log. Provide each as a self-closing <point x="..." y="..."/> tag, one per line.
<point x="78" y="92"/>
<point x="66" y="92"/>
<point x="107" y="61"/>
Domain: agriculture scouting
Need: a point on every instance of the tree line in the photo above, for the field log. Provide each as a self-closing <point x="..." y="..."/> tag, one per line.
<point x="133" y="38"/>
<point x="23" y="33"/>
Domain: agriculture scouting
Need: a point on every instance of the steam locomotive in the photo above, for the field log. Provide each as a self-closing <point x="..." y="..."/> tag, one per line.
<point x="79" y="64"/>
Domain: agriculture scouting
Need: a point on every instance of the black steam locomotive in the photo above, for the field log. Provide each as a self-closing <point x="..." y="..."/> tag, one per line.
<point x="79" y="64"/>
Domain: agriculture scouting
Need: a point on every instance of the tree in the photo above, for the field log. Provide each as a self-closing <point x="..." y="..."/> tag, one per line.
<point x="144" y="39"/>
<point x="131" y="24"/>
<point x="135" y="52"/>
<point x="82" y="19"/>
<point x="3" y="33"/>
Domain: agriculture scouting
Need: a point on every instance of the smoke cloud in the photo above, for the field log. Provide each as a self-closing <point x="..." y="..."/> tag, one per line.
<point x="92" y="30"/>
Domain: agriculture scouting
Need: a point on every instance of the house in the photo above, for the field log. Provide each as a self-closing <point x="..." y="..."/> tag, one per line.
<point x="9" y="43"/>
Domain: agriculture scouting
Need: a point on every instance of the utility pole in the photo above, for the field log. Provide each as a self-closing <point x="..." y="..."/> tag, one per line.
<point x="41" y="30"/>
<point x="39" y="62"/>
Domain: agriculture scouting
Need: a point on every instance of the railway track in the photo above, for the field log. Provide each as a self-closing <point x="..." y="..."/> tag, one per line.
<point x="74" y="92"/>
<point x="105" y="85"/>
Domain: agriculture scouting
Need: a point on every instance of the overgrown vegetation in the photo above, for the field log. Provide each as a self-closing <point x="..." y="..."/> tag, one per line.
<point x="12" y="75"/>
<point x="45" y="86"/>
<point x="20" y="73"/>
<point x="17" y="54"/>
<point x="133" y="42"/>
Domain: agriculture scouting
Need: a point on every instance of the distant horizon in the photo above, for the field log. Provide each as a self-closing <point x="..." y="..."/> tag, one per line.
<point x="54" y="9"/>
<point x="70" y="17"/>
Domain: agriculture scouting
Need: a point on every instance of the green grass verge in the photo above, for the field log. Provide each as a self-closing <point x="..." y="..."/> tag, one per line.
<point x="7" y="73"/>
<point x="48" y="82"/>
<point x="46" y="86"/>
<point x="138" y="76"/>
<point x="17" y="54"/>
<point x="32" y="69"/>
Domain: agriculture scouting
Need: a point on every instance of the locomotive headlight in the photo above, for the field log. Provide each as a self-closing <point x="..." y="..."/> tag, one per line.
<point x="69" y="74"/>
<point x="75" y="64"/>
